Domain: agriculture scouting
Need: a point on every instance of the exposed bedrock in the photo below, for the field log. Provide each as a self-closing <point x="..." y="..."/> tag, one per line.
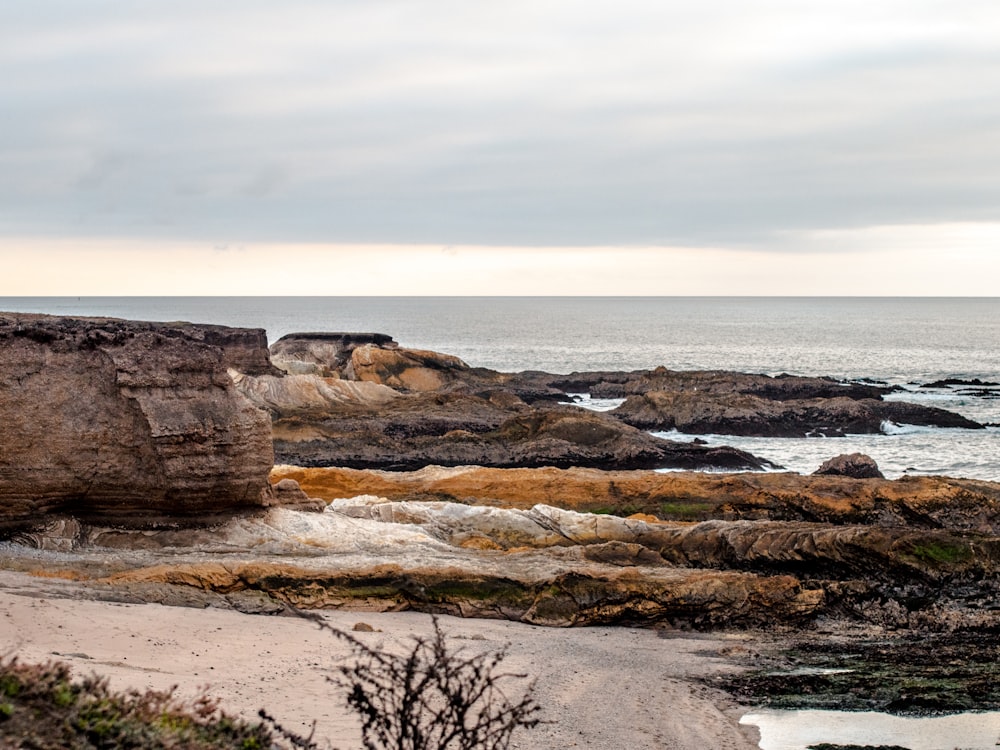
<point x="961" y="505"/>
<point x="325" y="354"/>
<point x="610" y="384"/>
<point x="128" y="421"/>
<point x="554" y="567"/>
<point x="456" y="429"/>
<point x="740" y="414"/>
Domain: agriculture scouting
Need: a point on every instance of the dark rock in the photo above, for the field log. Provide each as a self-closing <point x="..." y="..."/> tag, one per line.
<point x="459" y="430"/>
<point x="856" y="465"/>
<point x="741" y="414"/>
<point x="947" y="382"/>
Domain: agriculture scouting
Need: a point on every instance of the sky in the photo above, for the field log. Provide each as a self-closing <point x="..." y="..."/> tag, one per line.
<point x="749" y="147"/>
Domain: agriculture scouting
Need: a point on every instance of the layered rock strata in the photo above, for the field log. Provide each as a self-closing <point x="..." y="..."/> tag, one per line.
<point x="961" y="505"/>
<point x="549" y="566"/>
<point x="128" y="421"/>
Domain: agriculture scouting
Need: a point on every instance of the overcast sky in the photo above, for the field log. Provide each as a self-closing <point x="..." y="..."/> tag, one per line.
<point x="535" y="146"/>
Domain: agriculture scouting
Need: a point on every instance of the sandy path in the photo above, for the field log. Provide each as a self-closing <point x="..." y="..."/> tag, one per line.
<point x="601" y="687"/>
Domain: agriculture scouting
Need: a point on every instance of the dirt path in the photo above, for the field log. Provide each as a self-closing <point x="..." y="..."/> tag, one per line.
<point x="600" y="687"/>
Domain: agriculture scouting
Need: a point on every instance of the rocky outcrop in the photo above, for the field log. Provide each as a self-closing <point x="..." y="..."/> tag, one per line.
<point x="304" y="396"/>
<point x="406" y="369"/>
<point x="748" y="415"/>
<point x="324" y="354"/>
<point x="550" y="566"/>
<point x="457" y="430"/>
<point x="613" y="384"/>
<point x="127" y="421"/>
<point x="362" y="401"/>
<point x="856" y="465"/>
<point x="960" y="505"/>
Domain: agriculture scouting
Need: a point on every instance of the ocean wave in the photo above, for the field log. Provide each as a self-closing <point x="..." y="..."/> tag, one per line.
<point x="584" y="401"/>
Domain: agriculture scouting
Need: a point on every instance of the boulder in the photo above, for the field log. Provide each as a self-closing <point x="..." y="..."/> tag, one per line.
<point x="126" y="421"/>
<point x="856" y="465"/>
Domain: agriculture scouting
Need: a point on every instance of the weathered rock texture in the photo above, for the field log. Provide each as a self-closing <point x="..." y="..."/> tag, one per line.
<point x="338" y="409"/>
<point x="856" y="465"/>
<point x="550" y="566"/>
<point x="741" y="414"/>
<point x="962" y="505"/>
<point x="325" y="354"/>
<point x="734" y="403"/>
<point x="132" y="422"/>
<point x="458" y="429"/>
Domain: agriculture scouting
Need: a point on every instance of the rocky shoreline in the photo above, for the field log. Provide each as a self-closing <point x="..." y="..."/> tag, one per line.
<point x="137" y="466"/>
<point x="548" y="513"/>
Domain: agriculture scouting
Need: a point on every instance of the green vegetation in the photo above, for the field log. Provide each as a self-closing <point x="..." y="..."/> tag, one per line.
<point x="686" y="511"/>
<point x="432" y="697"/>
<point x="941" y="553"/>
<point x="44" y="708"/>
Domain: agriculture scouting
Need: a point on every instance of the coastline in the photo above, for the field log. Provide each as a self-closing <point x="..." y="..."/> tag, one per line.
<point x="598" y="686"/>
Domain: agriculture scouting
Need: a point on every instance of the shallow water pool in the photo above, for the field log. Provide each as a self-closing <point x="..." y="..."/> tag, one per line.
<point x="797" y="730"/>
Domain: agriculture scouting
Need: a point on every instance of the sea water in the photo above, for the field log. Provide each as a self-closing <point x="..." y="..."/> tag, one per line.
<point x="906" y="342"/>
<point x="797" y="730"/>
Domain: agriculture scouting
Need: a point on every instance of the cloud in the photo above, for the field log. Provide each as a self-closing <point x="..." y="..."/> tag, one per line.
<point x="544" y="123"/>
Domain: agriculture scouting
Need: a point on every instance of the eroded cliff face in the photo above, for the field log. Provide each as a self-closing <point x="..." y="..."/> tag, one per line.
<point x="126" y="421"/>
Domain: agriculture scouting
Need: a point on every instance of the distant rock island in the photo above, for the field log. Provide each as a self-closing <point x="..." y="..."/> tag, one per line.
<point x="448" y="488"/>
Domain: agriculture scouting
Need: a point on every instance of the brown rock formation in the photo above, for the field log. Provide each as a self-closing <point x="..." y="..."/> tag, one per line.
<point x="324" y="354"/>
<point x="128" y="421"/>
<point x="856" y="465"/>
<point x="407" y="369"/>
<point x="918" y="502"/>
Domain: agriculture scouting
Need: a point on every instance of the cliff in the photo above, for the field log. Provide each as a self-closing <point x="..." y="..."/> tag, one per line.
<point x="128" y="422"/>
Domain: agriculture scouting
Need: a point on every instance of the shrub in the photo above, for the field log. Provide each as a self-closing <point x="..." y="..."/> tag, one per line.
<point x="43" y="708"/>
<point x="432" y="697"/>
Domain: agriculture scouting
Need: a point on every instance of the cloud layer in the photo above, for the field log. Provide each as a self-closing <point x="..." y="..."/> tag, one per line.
<point x="527" y="123"/>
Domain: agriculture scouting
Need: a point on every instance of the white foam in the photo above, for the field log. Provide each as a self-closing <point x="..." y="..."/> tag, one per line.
<point x="584" y="401"/>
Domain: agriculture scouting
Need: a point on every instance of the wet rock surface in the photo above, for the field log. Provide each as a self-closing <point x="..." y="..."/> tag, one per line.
<point x="416" y="431"/>
<point x="894" y="673"/>
<point x="753" y="416"/>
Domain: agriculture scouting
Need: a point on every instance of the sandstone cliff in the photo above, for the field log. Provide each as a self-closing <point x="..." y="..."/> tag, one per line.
<point x="127" y="421"/>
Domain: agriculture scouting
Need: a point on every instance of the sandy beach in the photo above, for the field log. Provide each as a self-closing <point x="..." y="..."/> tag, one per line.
<point x="600" y="687"/>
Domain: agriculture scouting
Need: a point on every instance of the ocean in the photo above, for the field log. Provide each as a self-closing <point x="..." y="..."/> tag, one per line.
<point x="908" y="342"/>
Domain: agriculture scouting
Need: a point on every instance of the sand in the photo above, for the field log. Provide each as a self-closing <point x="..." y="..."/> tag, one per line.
<point x="600" y="687"/>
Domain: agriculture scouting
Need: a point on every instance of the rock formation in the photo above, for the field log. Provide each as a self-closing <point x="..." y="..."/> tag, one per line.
<point x="458" y="429"/>
<point x="325" y="354"/>
<point x="748" y="415"/>
<point x="131" y="422"/>
<point x="856" y="465"/>
<point x="117" y="433"/>
<point x="961" y="505"/>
